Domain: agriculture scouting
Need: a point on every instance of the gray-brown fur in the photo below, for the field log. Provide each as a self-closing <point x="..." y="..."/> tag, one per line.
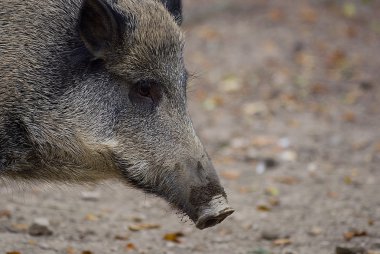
<point x="71" y="107"/>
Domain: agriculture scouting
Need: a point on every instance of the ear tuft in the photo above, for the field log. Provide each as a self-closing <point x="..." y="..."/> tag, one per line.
<point x="175" y="9"/>
<point x="99" y="27"/>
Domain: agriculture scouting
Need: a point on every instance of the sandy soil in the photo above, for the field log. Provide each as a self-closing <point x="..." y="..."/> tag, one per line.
<point x="285" y="96"/>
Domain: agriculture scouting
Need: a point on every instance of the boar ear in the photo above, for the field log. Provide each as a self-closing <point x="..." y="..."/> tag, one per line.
<point x="99" y="27"/>
<point x="175" y="8"/>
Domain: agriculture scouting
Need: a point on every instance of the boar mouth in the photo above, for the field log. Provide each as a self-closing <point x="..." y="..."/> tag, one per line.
<point x="211" y="204"/>
<point x="214" y="212"/>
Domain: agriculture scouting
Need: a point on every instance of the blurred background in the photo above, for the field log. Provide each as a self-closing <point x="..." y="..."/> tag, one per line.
<point x="285" y="96"/>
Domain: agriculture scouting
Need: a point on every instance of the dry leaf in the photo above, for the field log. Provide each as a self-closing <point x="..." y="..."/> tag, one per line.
<point x="274" y="201"/>
<point x="5" y="213"/>
<point x="121" y="237"/>
<point x="91" y="217"/>
<point x="13" y="252"/>
<point x="289" y="180"/>
<point x="263" y="207"/>
<point x="212" y="102"/>
<point x="319" y="89"/>
<point x="86" y="252"/>
<point x="262" y="141"/>
<point x="230" y="174"/>
<point x="245" y="189"/>
<point x="143" y="226"/>
<point x="173" y="237"/>
<point x="348" y="180"/>
<point x="276" y="15"/>
<point x="349" y="10"/>
<point x="130" y="246"/>
<point x="255" y="108"/>
<point x="230" y="84"/>
<point x="308" y="15"/>
<point x="18" y="227"/>
<point x="282" y="242"/>
<point x="70" y="250"/>
<point x="272" y="191"/>
<point x="32" y="242"/>
<point x="332" y="194"/>
<point x="354" y="233"/>
<point x="349" y="117"/>
<point x="336" y="59"/>
<point x="208" y="33"/>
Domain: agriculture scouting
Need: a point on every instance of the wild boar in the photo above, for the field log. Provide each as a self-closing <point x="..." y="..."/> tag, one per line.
<point x="96" y="89"/>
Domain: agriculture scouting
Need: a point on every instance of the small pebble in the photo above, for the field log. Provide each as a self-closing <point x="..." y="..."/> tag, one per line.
<point x="90" y="196"/>
<point x="40" y="227"/>
<point x="269" y="235"/>
<point x="290" y="156"/>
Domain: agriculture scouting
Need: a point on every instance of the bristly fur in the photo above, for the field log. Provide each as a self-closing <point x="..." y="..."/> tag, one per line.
<point x="70" y="105"/>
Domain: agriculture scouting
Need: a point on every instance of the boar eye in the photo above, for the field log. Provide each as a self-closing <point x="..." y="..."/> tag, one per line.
<point x="146" y="91"/>
<point x="144" y="88"/>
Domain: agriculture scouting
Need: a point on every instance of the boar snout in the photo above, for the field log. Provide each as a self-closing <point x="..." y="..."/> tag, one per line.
<point x="214" y="212"/>
<point x="207" y="197"/>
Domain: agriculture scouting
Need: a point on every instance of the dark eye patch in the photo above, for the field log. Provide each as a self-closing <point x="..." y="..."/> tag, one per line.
<point x="146" y="92"/>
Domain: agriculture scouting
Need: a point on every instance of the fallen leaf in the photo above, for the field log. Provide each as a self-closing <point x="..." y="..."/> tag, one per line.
<point x="272" y="191"/>
<point x="5" y="213"/>
<point x="289" y="180"/>
<point x="349" y="117"/>
<point x="18" y="228"/>
<point x="143" y="226"/>
<point x="274" y="201"/>
<point x="332" y="194"/>
<point x="319" y="89"/>
<point x="212" y="103"/>
<point x="255" y="108"/>
<point x="354" y="233"/>
<point x="245" y="189"/>
<point x="70" y="250"/>
<point x="262" y="141"/>
<point x="32" y="242"/>
<point x="13" y="252"/>
<point x="121" y="237"/>
<point x="86" y="252"/>
<point x="263" y="208"/>
<point x="336" y="59"/>
<point x="349" y="10"/>
<point x="308" y="15"/>
<point x="173" y="237"/>
<point x="208" y="33"/>
<point x="230" y="174"/>
<point x="91" y="217"/>
<point x="276" y="15"/>
<point x="348" y="180"/>
<point x="377" y="147"/>
<point x="351" y="32"/>
<point x="230" y="84"/>
<point x="373" y="252"/>
<point x="130" y="246"/>
<point x="282" y="242"/>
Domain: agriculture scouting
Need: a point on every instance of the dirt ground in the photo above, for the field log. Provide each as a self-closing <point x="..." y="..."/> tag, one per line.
<point x="285" y="95"/>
